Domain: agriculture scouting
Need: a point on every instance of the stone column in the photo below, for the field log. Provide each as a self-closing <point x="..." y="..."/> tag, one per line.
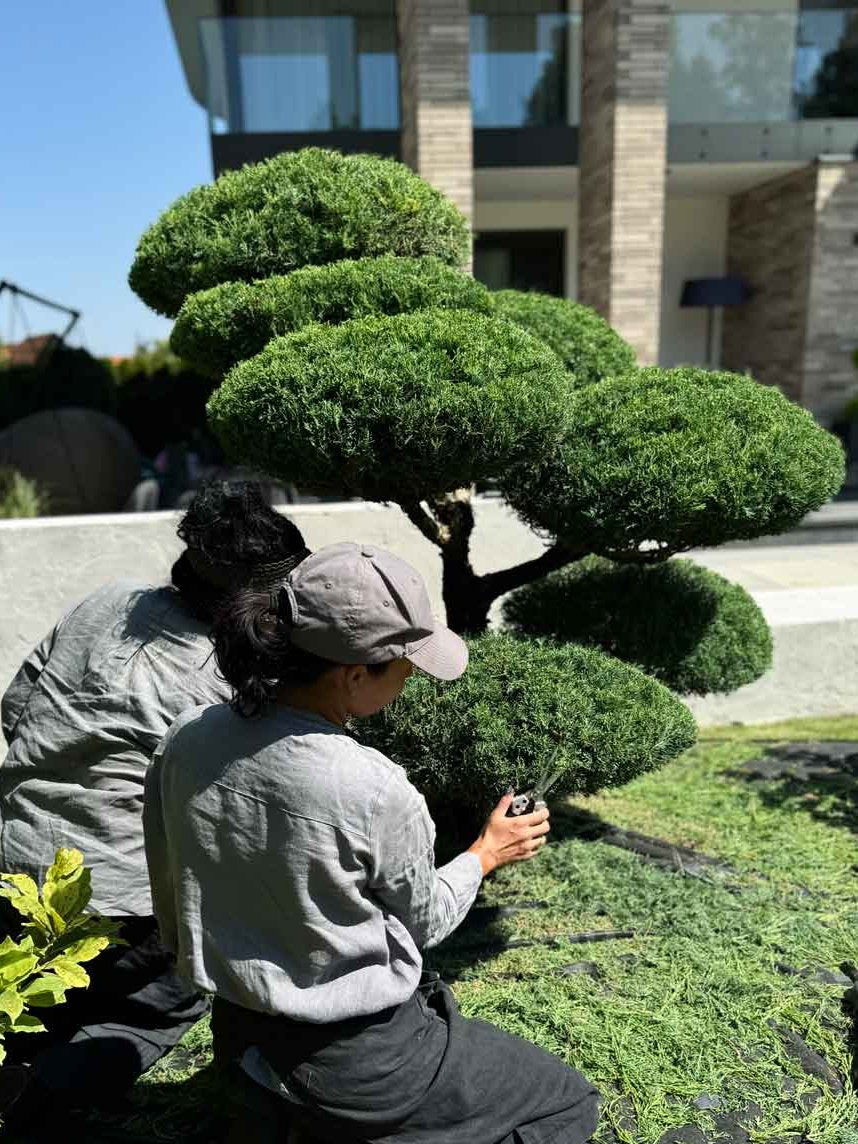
<point x="625" y="55"/>
<point x="437" y="133"/>
<point x="795" y="240"/>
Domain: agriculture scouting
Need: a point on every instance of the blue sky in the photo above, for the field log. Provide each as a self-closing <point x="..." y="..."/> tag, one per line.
<point x="99" y="134"/>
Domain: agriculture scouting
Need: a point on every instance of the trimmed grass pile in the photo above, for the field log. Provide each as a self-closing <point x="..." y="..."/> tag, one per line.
<point x="683" y="1010"/>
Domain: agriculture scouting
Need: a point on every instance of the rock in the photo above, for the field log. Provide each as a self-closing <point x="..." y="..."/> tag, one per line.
<point x="686" y="1134"/>
<point x="826" y="977"/>
<point x="590" y="968"/>
<point x="704" y="1102"/>
<point x="811" y="1062"/>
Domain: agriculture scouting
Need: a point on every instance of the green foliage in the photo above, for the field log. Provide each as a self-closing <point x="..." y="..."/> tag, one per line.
<point x="59" y="937"/>
<point x="685" y="625"/>
<point x="393" y="408"/>
<point x="70" y="376"/>
<point x="300" y="208"/>
<point x="464" y="743"/>
<point x="217" y="328"/>
<point x="148" y="358"/>
<point x="20" y="497"/>
<point x="590" y="349"/>
<point x="677" y="458"/>
<point x="163" y="407"/>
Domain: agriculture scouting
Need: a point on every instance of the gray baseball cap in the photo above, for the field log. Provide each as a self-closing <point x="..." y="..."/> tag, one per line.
<point x="356" y="603"/>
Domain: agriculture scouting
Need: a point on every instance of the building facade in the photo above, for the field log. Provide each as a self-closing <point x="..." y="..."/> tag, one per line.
<point x="609" y="150"/>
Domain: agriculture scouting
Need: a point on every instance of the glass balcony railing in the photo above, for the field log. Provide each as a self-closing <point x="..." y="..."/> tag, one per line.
<point x="525" y="67"/>
<point x="302" y="73"/>
<point x="764" y="66"/>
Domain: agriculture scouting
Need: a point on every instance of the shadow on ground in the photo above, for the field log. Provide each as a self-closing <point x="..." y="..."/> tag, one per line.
<point x="819" y="779"/>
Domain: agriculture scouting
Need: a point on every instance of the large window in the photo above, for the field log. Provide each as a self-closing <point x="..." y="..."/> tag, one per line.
<point x="524" y="63"/>
<point x="744" y="66"/>
<point x="521" y="260"/>
<point x="305" y="72"/>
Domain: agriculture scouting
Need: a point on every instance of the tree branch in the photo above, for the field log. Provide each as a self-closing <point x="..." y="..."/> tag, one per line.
<point x="437" y="533"/>
<point x="495" y="584"/>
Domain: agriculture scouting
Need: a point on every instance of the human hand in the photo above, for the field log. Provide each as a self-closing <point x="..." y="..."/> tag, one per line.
<point x="504" y="840"/>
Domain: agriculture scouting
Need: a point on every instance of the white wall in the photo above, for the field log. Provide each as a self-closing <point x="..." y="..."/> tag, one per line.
<point x="695" y="246"/>
<point x="47" y="565"/>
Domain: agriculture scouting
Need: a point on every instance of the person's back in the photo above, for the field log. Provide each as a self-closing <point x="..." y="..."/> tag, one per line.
<point x="82" y="719"/>
<point x="293" y="873"/>
<point x="300" y="910"/>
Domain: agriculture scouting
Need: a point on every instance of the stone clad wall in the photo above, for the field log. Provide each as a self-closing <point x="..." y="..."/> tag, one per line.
<point x="795" y="240"/>
<point x="437" y="136"/>
<point x="770" y="236"/>
<point x="623" y="160"/>
<point x="830" y="376"/>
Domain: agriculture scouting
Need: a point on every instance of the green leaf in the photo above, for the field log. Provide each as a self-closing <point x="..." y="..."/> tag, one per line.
<point x="86" y="948"/>
<point x="69" y="972"/>
<point x="45" y="991"/>
<point x="66" y="864"/>
<point x="23" y="894"/>
<point x="11" y="1003"/>
<point x="67" y="888"/>
<point x="16" y="960"/>
<point x="27" y="1023"/>
<point x="2" y="1051"/>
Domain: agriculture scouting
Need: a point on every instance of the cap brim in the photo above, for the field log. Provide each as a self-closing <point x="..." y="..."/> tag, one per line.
<point x="444" y="655"/>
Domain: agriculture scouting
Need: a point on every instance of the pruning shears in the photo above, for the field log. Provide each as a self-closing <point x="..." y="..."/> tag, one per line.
<point x="534" y="799"/>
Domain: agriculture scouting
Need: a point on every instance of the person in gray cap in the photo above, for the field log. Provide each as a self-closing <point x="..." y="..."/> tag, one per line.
<point x="293" y="874"/>
<point x="82" y="718"/>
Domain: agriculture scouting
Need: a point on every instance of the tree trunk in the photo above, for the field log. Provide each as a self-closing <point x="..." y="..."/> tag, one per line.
<point x="468" y="597"/>
<point x="467" y="609"/>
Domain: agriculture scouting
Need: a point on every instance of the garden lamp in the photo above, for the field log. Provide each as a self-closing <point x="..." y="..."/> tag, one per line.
<point x="712" y="292"/>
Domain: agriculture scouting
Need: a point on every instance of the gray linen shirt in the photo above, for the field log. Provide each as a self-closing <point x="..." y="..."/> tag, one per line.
<point x="292" y="868"/>
<point x="82" y="718"/>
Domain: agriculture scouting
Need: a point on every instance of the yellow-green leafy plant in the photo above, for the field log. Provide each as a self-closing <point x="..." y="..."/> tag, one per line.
<point x="59" y="936"/>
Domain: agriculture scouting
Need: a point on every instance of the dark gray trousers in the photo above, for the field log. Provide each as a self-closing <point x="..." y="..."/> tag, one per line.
<point x="416" y="1074"/>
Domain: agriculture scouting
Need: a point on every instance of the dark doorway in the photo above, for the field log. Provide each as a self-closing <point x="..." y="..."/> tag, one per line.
<point x="521" y="260"/>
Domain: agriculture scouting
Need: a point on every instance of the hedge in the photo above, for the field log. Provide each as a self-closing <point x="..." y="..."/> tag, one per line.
<point x="464" y="743"/>
<point x="70" y="376"/>
<point x="686" y="626"/>
<point x="677" y="458"/>
<point x="590" y="349"/>
<point x="300" y="208"/>
<point x="217" y="328"/>
<point x="393" y="408"/>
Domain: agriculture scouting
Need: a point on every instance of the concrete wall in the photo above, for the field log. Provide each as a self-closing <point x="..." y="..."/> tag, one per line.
<point x="809" y="593"/>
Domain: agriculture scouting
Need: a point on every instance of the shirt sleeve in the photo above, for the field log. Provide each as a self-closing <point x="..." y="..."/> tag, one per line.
<point x="17" y="694"/>
<point x="157" y="858"/>
<point x="430" y="902"/>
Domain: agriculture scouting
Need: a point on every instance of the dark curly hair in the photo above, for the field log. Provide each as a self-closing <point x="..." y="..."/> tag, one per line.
<point x="256" y="656"/>
<point x="233" y="539"/>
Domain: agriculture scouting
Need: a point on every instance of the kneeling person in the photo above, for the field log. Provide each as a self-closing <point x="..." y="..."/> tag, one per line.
<point x="82" y="718"/>
<point x="293" y="873"/>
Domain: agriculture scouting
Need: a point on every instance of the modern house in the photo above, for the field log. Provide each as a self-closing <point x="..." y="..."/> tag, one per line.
<point x="617" y="151"/>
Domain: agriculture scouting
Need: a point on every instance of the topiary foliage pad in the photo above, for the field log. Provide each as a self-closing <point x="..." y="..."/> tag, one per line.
<point x="300" y="208"/>
<point x="464" y="743"/>
<point x="393" y="408"/>
<point x="681" y="458"/>
<point x="217" y="328"/>
<point x="589" y="348"/>
<point x="685" y="625"/>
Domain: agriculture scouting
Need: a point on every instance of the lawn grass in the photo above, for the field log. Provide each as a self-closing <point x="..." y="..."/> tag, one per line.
<point x="685" y="1008"/>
